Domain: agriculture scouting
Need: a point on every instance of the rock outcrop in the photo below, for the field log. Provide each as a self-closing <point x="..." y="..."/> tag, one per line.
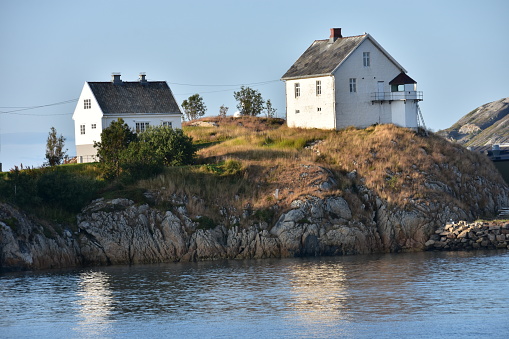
<point x="119" y="231"/>
<point x="27" y="244"/>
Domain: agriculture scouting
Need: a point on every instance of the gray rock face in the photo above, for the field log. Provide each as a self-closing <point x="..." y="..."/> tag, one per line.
<point x="121" y="232"/>
<point x="25" y="244"/>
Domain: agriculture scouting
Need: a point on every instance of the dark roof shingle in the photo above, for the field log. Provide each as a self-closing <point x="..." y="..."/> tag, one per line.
<point x="135" y="97"/>
<point x="322" y="57"/>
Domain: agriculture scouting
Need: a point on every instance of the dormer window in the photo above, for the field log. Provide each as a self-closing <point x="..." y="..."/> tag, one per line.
<point x="87" y="103"/>
<point x="366" y="59"/>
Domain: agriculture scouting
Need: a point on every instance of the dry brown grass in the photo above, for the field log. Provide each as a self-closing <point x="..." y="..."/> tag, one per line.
<point x="277" y="167"/>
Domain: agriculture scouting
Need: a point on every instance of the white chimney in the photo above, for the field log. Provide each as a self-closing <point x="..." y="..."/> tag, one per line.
<point x="115" y="78"/>
<point x="143" y="80"/>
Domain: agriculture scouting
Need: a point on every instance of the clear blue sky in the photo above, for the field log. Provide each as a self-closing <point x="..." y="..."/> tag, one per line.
<point x="457" y="51"/>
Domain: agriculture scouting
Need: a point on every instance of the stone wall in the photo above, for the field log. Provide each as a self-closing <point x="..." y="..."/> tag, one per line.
<point x="469" y="236"/>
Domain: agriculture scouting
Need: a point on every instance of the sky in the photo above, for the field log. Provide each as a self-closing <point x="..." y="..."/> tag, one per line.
<point x="457" y="51"/>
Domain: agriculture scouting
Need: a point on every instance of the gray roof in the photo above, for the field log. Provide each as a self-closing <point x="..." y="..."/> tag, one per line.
<point x="135" y="97"/>
<point x="323" y="57"/>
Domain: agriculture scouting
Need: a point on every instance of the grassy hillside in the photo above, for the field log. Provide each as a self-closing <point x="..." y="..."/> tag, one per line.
<point x="263" y="166"/>
<point x="485" y="125"/>
<point x="260" y="163"/>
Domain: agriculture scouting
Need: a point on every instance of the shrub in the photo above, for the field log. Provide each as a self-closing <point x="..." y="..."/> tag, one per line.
<point x="172" y="145"/>
<point x="65" y="190"/>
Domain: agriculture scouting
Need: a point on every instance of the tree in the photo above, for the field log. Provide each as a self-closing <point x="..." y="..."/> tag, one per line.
<point x="114" y="140"/>
<point x="222" y="111"/>
<point x="194" y="107"/>
<point x="269" y="110"/>
<point x="55" y="153"/>
<point x="250" y="101"/>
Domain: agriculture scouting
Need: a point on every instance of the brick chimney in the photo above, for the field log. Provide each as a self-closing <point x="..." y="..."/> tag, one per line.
<point x="115" y="78"/>
<point x="335" y="34"/>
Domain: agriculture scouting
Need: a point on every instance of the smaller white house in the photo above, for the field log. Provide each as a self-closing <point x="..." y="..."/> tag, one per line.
<point x="349" y="81"/>
<point x="139" y="103"/>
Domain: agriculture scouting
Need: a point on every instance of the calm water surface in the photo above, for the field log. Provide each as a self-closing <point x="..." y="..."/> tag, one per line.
<point x="415" y="295"/>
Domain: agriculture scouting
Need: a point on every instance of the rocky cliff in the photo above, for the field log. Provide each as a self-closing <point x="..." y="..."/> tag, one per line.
<point x="483" y="126"/>
<point x="118" y="231"/>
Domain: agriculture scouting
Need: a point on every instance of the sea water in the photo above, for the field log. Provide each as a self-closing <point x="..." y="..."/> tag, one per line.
<point x="408" y="295"/>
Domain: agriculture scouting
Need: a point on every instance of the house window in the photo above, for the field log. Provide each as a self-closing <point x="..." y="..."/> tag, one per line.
<point x="365" y="58"/>
<point x="297" y="90"/>
<point x="82" y="129"/>
<point x="87" y="103"/>
<point x="167" y="124"/>
<point x="318" y="109"/>
<point x="353" y="85"/>
<point x="141" y="126"/>
<point x="297" y="111"/>
<point x="318" y="87"/>
<point x="93" y="126"/>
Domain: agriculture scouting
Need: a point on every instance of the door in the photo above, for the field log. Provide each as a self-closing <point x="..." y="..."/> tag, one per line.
<point x="380" y="93"/>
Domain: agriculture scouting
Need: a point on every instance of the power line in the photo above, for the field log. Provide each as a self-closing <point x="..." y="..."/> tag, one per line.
<point x="23" y="108"/>
<point x="235" y="85"/>
<point x="39" y="106"/>
<point x="37" y="115"/>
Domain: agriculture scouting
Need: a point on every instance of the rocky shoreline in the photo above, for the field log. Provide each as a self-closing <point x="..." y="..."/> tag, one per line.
<point x="463" y="236"/>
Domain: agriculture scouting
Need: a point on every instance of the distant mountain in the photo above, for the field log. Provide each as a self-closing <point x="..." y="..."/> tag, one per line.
<point x="485" y="125"/>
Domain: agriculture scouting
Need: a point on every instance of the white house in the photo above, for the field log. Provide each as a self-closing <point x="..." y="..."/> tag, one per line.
<point x="139" y="103"/>
<point x="349" y="81"/>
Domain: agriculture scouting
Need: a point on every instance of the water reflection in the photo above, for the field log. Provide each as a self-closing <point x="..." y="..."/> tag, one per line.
<point x="320" y="298"/>
<point x="95" y="304"/>
<point x="319" y="290"/>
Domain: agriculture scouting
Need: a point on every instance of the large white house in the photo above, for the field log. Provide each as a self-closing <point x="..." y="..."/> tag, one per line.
<point x="139" y="103"/>
<point x="349" y="81"/>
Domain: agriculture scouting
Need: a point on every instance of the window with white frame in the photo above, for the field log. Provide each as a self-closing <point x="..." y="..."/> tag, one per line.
<point x="141" y="126"/>
<point x="365" y="59"/>
<point x="318" y="87"/>
<point x="93" y="126"/>
<point x="87" y="103"/>
<point x="82" y="129"/>
<point x="297" y="111"/>
<point x="167" y="124"/>
<point x="297" y="90"/>
<point x="318" y="109"/>
<point x="353" y="85"/>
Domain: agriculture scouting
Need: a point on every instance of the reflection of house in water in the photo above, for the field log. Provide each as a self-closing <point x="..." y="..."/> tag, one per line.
<point x="95" y="304"/>
<point x="499" y="154"/>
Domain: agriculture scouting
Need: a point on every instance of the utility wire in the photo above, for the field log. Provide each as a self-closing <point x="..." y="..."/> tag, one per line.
<point x="235" y="85"/>
<point x="21" y="108"/>
<point x="39" y="106"/>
